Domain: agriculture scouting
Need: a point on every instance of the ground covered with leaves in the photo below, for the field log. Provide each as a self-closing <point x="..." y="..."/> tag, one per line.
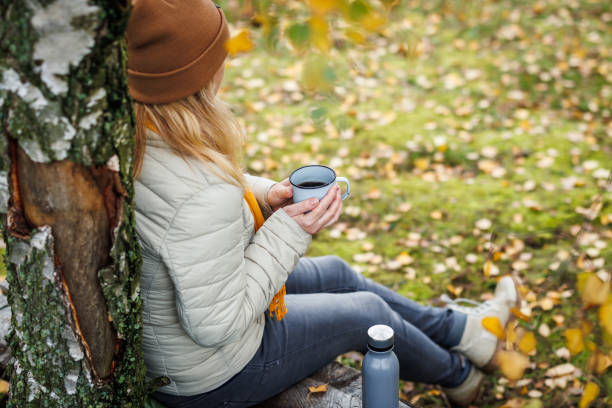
<point x="478" y="139"/>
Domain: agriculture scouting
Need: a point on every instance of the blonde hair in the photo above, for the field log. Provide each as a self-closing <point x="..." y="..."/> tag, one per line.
<point x="199" y="126"/>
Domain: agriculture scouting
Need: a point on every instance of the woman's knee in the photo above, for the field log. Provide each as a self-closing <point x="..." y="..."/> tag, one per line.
<point x="373" y="308"/>
<point x="345" y="274"/>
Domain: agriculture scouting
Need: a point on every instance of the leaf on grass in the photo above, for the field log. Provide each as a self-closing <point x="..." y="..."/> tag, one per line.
<point x="512" y="364"/>
<point x="490" y="269"/>
<point x="4" y="387"/>
<point x="517" y="313"/>
<point x="605" y="316"/>
<point x="574" y="341"/>
<point x="599" y="362"/>
<point x="493" y="325"/>
<point x="527" y="343"/>
<point x="318" y="388"/>
<point x="595" y="292"/>
<point x="591" y="391"/>
<point x="239" y="43"/>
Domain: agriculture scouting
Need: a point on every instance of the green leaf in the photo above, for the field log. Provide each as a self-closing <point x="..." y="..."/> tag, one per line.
<point x="358" y="9"/>
<point x="299" y="34"/>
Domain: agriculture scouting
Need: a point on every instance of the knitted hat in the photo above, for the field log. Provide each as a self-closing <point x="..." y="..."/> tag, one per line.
<point x="174" y="48"/>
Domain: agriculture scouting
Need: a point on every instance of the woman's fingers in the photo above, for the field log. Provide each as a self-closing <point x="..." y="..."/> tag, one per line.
<point x="301" y="207"/>
<point x="331" y="211"/>
<point x="336" y="215"/>
<point x="324" y="204"/>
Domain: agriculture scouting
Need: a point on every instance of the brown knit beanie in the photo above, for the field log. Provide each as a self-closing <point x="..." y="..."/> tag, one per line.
<point x="174" y="48"/>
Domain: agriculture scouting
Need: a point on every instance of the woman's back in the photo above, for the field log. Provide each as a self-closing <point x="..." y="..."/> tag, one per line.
<point x="206" y="279"/>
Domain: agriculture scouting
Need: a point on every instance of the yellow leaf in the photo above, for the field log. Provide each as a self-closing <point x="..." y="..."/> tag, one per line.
<point x="373" y="21"/>
<point x="511" y="335"/>
<point x="323" y="6"/>
<point x="240" y="43"/>
<point x="4" y="387"/>
<point x="605" y="316"/>
<point x="320" y="33"/>
<point x="594" y="291"/>
<point x="591" y="391"/>
<point x="603" y="362"/>
<point x="318" y="388"/>
<point x="355" y="36"/>
<point x="528" y="343"/>
<point x="517" y="313"/>
<point x="487" y="268"/>
<point x="599" y="362"/>
<point x="421" y="163"/>
<point x="493" y="325"/>
<point x="512" y="364"/>
<point x="573" y="339"/>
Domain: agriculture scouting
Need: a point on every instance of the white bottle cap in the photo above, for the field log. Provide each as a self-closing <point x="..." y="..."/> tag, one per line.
<point x="380" y="336"/>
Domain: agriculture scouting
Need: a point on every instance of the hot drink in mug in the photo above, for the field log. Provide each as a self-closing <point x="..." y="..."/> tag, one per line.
<point x="315" y="181"/>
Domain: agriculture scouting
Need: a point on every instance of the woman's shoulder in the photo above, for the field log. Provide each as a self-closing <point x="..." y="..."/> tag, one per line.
<point x="173" y="179"/>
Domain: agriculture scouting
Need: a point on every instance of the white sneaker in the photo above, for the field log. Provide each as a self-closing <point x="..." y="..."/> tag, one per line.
<point x="463" y="395"/>
<point x="477" y="343"/>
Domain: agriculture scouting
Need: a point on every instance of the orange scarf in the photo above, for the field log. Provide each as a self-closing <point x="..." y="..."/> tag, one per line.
<point x="277" y="306"/>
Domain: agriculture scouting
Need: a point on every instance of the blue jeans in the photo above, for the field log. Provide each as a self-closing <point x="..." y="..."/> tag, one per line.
<point x="329" y="310"/>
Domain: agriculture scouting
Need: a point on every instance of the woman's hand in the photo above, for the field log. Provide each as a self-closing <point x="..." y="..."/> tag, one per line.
<point x="280" y="195"/>
<point x="322" y="213"/>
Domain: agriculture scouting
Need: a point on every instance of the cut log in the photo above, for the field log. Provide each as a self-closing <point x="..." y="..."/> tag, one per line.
<point x="343" y="390"/>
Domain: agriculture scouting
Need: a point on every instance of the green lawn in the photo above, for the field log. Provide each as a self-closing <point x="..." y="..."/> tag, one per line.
<point x="472" y="132"/>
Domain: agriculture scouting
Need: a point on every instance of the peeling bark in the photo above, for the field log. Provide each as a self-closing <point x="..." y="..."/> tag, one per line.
<point x="65" y="196"/>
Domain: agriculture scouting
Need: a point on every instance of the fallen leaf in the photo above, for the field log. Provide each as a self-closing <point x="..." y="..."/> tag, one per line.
<point x="4" y="387"/>
<point x="493" y="325"/>
<point x="436" y="215"/>
<point x="560" y="370"/>
<point x="490" y="269"/>
<point x="544" y="330"/>
<point x="605" y="316"/>
<point x="595" y="292"/>
<point x="318" y="388"/>
<point x="527" y="343"/>
<point x="512" y="364"/>
<point x="517" y="313"/>
<point x="591" y="391"/>
<point x="574" y="341"/>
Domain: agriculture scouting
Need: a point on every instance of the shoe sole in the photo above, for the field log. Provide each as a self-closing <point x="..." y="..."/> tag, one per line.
<point x="492" y="365"/>
<point x="474" y="397"/>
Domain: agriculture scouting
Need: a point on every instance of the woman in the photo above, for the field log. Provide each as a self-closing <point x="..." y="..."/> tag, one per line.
<point x="220" y="247"/>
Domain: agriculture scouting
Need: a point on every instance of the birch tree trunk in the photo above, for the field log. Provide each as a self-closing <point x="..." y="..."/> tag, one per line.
<point x="66" y="189"/>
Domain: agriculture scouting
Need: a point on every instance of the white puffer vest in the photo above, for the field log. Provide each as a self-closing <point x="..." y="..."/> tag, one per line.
<point x="207" y="277"/>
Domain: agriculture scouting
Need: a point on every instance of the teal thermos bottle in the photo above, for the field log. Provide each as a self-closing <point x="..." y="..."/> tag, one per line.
<point x="380" y="370"/>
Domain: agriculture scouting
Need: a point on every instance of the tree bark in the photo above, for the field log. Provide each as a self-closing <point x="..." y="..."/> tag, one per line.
<point x="66" y="159"/>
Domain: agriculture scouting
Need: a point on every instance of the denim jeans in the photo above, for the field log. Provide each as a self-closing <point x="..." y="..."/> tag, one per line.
<point x="329" y="310"/>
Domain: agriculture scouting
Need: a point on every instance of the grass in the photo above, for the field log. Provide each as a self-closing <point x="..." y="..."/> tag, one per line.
<point x="504" y="116"/>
